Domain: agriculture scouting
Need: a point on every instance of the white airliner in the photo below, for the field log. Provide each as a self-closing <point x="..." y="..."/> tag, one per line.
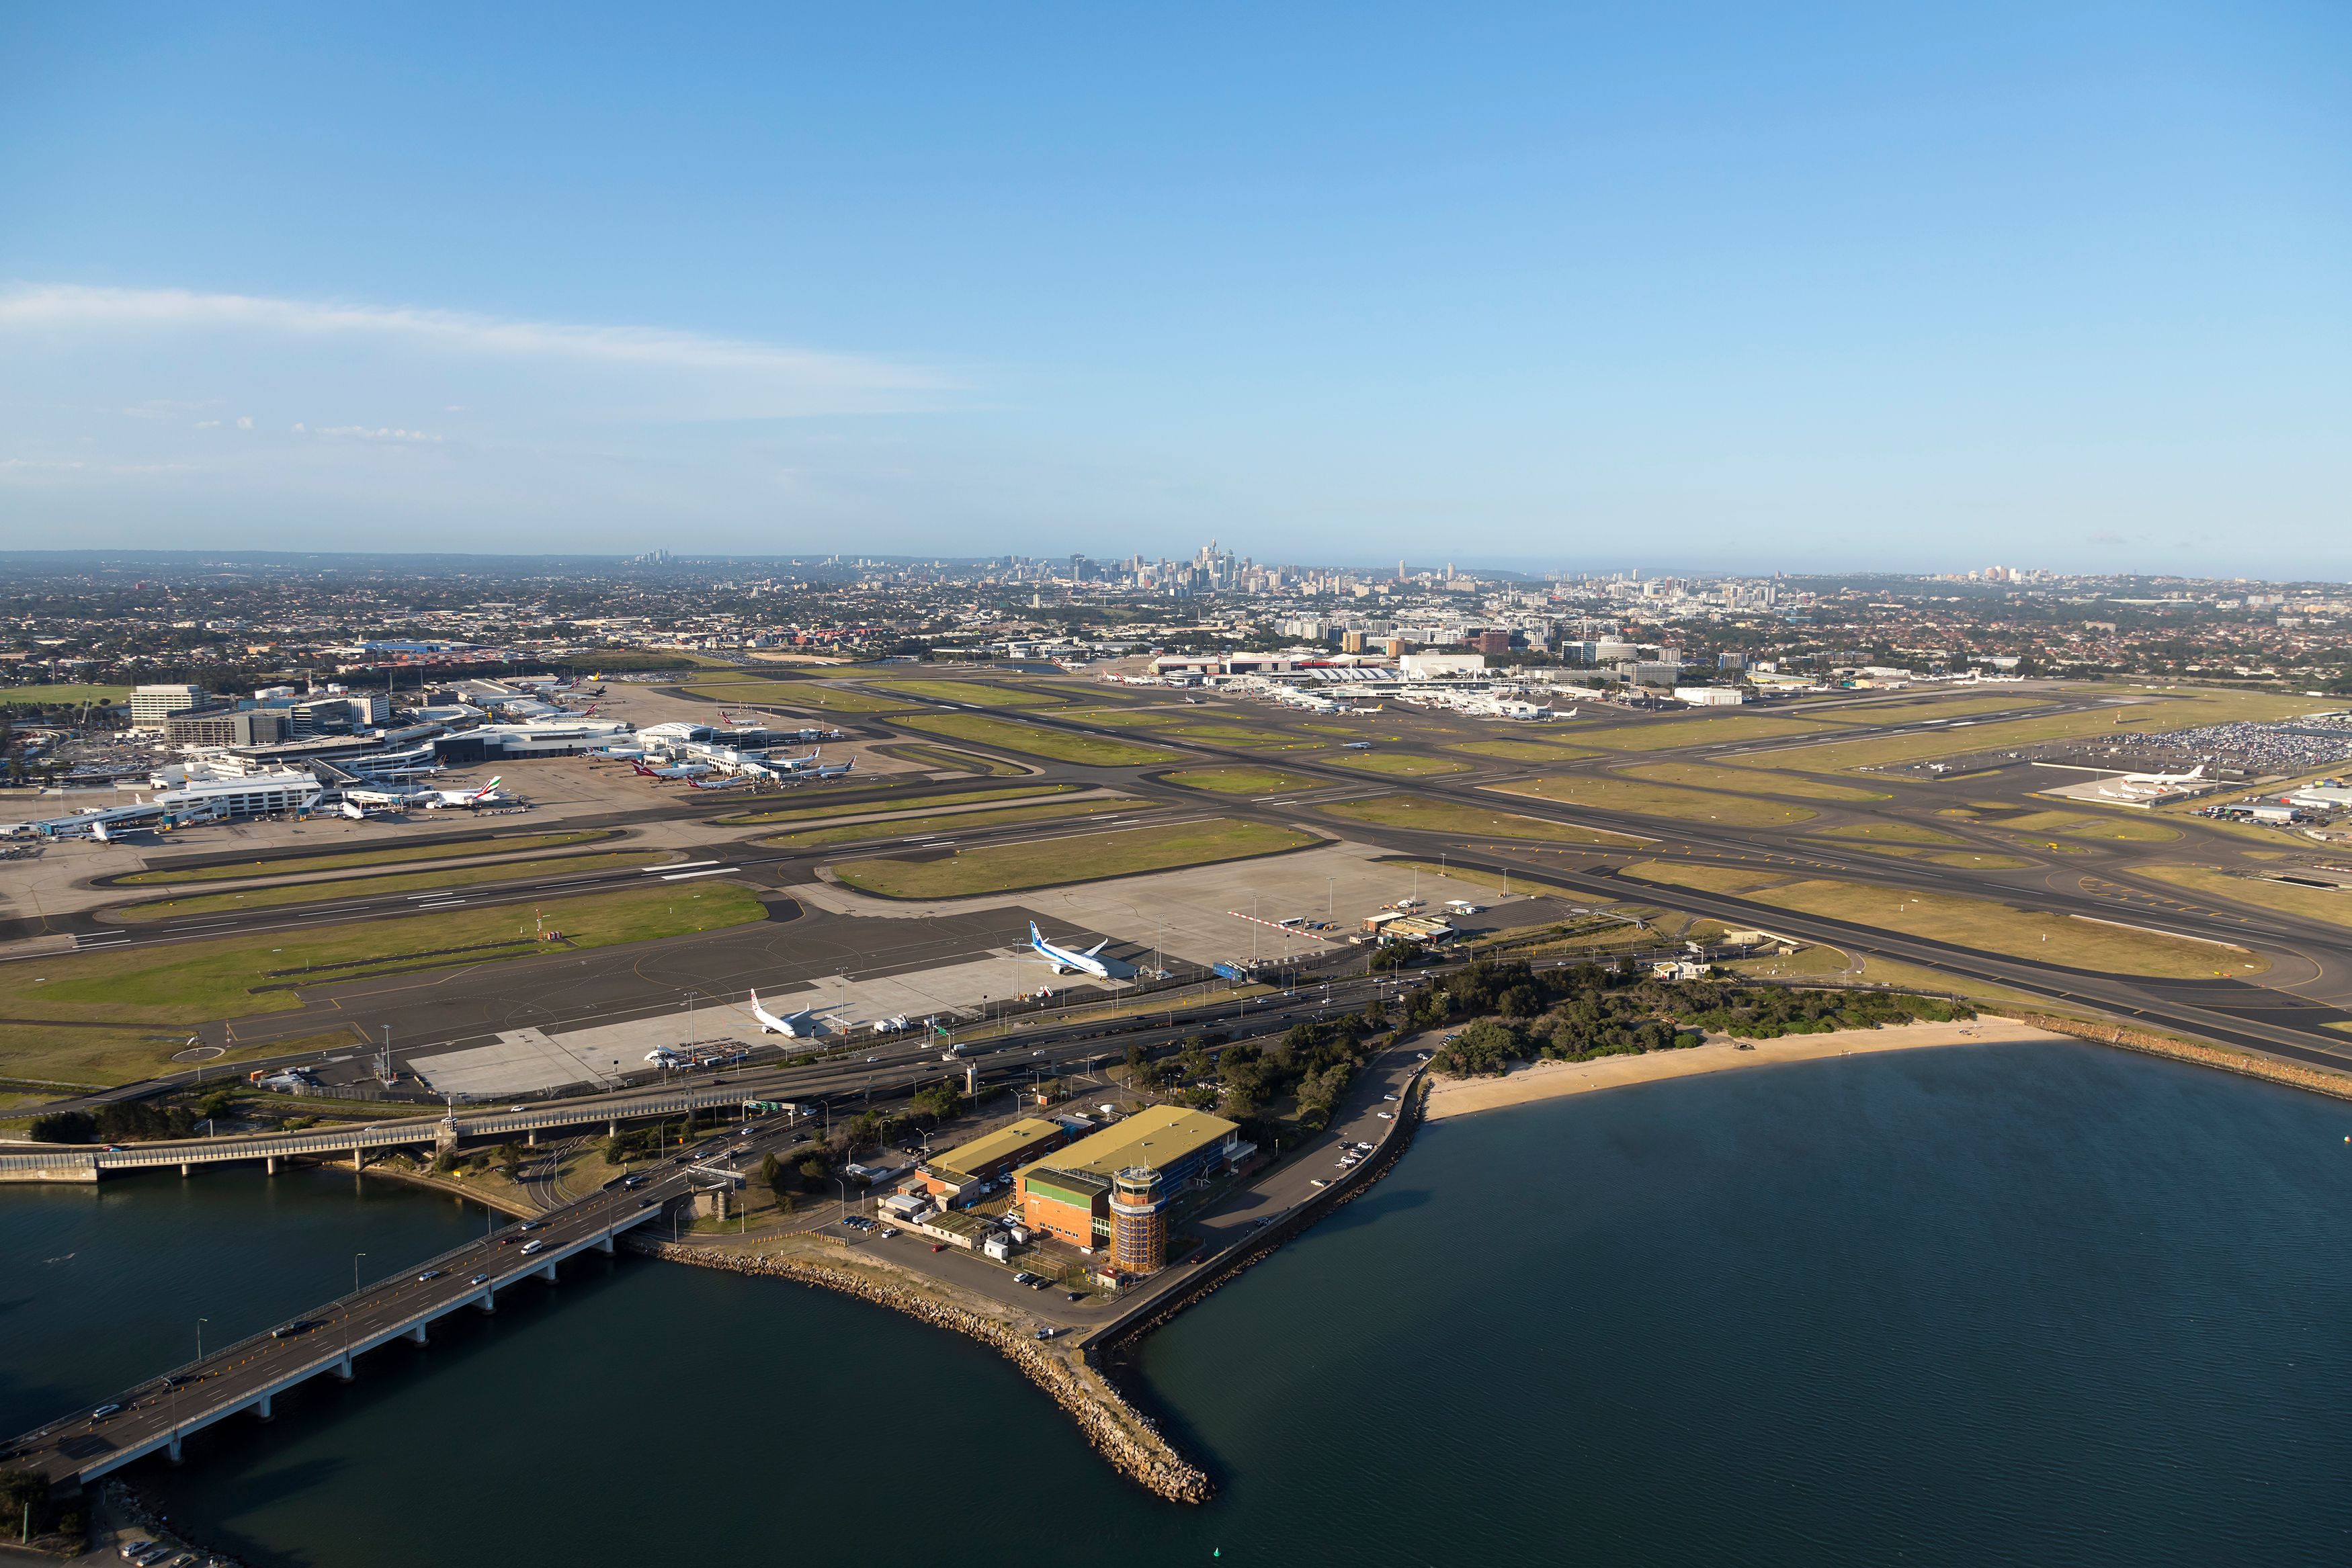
<point x="487" y="795"/>
<point x="722" y="784"/>
<point x="795" y="764"/>
<point x="663" y="1056"/>
<point x="1357" y="746"/>
<point x="1068" y="960"/>
<point x="801" y="1025"/>
<point x="834" y="771"/>
<point x="2141" y="786"/>
<point x="683" y="770"/>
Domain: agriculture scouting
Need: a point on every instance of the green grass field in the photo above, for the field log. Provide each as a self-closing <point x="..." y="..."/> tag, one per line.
<point x="1246" y="738"/>
<point x="1748" y="781"/>
<point x="946" y="760"/>
<point x="1139" y="718"/>
<point x="979" y="693"/>
<point x="1524" y="750"/>
<point x="1468" y="822"/>
<point x="1028" y="740"/>
<point x="946" y="822"/>
<point x="1645" y="799"/>
<point x="2083" y="825"/>
<point x="99" y="1057"/>
<point x="888" y="806"/>
<point x="340" y="887"/>
<point x="47" y="696"/>
<point x="1892" y="833"/>
<point x="290" y="865"/>
<point x="1240" y="780"/>
<point x="1669" y="734"/>
<point x="1091" y="857"/>
<point x="1926" y="707"/>
<point x="181" y="984"/>
<point x="793" y="695"/>
<point x="1398" y="764"/>
<point x="1991" y="927"/>
<point x="2311" y="902"/>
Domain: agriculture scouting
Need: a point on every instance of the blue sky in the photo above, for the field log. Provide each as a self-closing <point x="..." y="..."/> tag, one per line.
<point x="1912" y="288"/>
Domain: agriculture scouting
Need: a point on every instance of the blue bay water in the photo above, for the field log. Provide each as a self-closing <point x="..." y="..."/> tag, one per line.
<point x="2031" y="1304"/>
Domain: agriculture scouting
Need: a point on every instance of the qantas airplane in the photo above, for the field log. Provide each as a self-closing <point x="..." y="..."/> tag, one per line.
<point x="802" y="1025"/>
<point x="1068" y="960"/>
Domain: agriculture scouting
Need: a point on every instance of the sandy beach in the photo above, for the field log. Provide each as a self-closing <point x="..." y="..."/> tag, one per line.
<point x="1550" y="1080"/>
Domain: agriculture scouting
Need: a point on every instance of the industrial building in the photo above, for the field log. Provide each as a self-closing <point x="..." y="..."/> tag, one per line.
<point x="955" y="1178"/>
<point x="1112" y="1191"/>
<point x="258" y="795"/>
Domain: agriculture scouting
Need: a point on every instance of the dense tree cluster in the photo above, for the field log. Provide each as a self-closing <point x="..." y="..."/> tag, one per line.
<point x="1588" y="1011"/>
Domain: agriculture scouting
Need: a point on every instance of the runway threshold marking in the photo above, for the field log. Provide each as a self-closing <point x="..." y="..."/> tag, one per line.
<point x="658" y="870"/>
<point x="688" y="875"/>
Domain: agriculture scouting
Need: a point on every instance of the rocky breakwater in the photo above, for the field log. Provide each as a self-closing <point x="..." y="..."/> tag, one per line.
<point x="1121" y="1433"/>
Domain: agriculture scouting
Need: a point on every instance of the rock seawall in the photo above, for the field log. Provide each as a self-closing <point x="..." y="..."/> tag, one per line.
<point x="1119" y="1431"/>
<point x="2295" y="1076"/>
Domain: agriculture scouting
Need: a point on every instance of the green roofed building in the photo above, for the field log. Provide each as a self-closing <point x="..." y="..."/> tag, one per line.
<point x="956" y="1177"/>
<point x="1149" y="1158"/>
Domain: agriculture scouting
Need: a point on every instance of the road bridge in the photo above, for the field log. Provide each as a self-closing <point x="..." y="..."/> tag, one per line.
<point x="360" y="1139"/>
<point x="157" y="1416"/>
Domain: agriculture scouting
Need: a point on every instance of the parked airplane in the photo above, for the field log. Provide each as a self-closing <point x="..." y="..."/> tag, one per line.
<point x="2142" y="786"/>
<point x="802" y="1025"/>
<point x="722" y="784"/>
<point x="664" y="1057"/>
<point x="795" y="764"/>
<point x="834" y="771"/>
<point x="683" y="770"/>
<point x="487" y="795"/>
<point x="1067" y="960"/>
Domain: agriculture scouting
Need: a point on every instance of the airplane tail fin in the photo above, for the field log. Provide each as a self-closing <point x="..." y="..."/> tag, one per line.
<point x="1035" y="935"/>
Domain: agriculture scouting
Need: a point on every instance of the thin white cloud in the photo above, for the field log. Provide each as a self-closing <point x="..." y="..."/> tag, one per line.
<point x="53" y="307"/>
<point x="362" y="433"/>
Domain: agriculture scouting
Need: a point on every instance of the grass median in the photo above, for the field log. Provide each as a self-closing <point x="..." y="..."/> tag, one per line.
<point x="1397" y="763"/>
<point x="1986" y="927"/>
<point x="184" y="983"/>
<point x="1468" y="822"/>
<point x="1749" y="781"/>
<point x="947" y="822"/>
<point x="793" y="695"/>
<point x="294" y="865"/>
<point x="979" y="693"/>
<point x="1088" y="857"/>
<point x="885" y="807"/>
<point x="1671" y="733"/>
<point x="2310" y="903"/>
<point x="1239" y="780"/>
<point x="1640" y="799"/>
<point x="1524" y="750"/>
<point x="1029" y="741"/>
<point x="342" y="888"/>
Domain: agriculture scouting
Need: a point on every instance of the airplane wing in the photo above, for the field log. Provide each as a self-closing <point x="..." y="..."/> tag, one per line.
<point x="1097" y="947"/>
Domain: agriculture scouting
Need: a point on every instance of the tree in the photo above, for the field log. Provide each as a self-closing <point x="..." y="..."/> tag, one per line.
<point x="22" y="1493"/>
<point x="509" y="1160"/>
<point x="65" y="1127"/>
<point x="770" y="1171"/>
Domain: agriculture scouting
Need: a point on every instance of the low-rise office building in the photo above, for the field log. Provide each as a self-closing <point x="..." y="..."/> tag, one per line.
<point x="1116" y="1185"/>
<point x="955" y="1177"/>
<point x="256" y="795"/>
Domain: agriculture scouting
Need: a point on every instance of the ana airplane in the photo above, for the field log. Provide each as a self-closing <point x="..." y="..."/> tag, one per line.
<point x="1067" y="960"/>
<point x="835" y="771"/>
<point x="801" y="1025"/>
<point x="436" y="800"/>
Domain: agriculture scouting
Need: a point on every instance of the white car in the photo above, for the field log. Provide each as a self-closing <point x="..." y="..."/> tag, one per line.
<point x="1387" y="1116"/>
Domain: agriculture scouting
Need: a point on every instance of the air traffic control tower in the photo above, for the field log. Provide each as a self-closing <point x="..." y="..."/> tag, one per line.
<point x="1139" y="1220"/>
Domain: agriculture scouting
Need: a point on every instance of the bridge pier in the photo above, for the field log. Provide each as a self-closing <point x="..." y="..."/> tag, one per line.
<point x="415" y="1335"/>
<point x="531" y="1139"/>
<point x="604" y="1244"/>
<point x="487" y="1303"/>
<point x="358" y="1158"/>
<point x="613" y="1128"/>
<point x="547" y="1273"/>
<point x="172" y="1448"/>
<point x="269" y="1165"/>
<point x="262" y="1411"/>
<point x="342" y="1368"/>
<point x="186" y="1170"/>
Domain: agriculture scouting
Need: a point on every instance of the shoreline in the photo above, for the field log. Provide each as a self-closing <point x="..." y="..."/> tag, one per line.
<point x="1450" y="1097"/>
